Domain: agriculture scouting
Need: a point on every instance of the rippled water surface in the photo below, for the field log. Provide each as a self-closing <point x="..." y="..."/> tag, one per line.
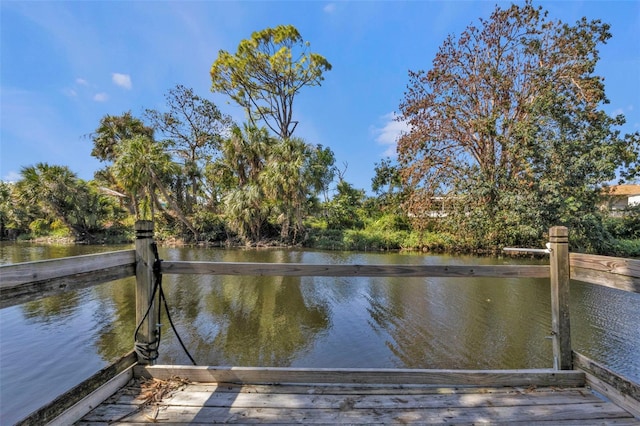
<point x="48" y="346"/>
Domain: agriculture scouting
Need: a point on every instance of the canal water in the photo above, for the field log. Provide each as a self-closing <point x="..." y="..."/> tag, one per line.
<point x="48" y="346"/>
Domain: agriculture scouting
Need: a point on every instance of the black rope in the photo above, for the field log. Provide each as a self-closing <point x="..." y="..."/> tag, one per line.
<point x="149" y="351"/>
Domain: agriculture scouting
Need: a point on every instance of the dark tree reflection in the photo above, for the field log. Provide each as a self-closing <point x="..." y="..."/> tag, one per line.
<point x="263" y="322"/>
<point x="54" y="308"/>
<point x="116" y="318"/>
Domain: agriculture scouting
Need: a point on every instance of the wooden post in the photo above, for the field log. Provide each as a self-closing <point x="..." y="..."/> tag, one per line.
<point x="560" y="324"/>
<point x="146" y="335"/>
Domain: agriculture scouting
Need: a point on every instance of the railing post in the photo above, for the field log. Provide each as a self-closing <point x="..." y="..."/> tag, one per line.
<point x="145" y="345"/>
<point x="560" y="324"/>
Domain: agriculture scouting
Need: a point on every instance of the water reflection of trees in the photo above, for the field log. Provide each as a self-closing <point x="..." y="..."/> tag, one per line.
<point x="115" y="317"/>
<point x="463" y="324"/>
<point x="53" y="308"/>
<point x="242" y="320"/>
<point x="110" y="307"/>
<point x="263" y="322"/>
<point x="426" y="323"/>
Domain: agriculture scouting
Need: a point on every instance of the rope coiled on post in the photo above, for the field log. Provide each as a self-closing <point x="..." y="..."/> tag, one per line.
<point x="149" y="351"/>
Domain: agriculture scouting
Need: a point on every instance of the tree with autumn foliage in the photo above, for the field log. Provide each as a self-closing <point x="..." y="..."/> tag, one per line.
<point x="508" y="126"/>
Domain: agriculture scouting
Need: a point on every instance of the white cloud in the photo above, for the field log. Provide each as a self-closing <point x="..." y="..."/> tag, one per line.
<point x="100" y="97"/>
<point x="70" y="92"/>
<point x="330" y="8"/>
<point x="623" y="111"/>
<point x="389" y="133"/>
<point x="122" y="80"/>
<point x="11" y="177"/>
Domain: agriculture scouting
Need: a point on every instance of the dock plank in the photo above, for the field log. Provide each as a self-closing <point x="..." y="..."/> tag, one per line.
<point x="397" y="376"/>
<point x="191" y="415"/>
<point x="191" y="398"/>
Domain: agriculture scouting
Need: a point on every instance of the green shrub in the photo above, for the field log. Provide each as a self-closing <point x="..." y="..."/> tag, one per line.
<point x="59" y="229"/>
<point x="371" y="239"/>
<point x="325" y="239"/>
<point x="40" y="227"/>
<point x="212" y="227"/>
<point x="626" y="248"/>
<point x="626" y="227"/>
<point x="390" y="222"/>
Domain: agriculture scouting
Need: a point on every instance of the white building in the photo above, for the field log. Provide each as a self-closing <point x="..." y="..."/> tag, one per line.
<point x="620" y="197"/>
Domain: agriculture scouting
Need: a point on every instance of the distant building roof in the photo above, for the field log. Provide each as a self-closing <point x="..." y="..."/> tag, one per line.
<point x="620" y="190"/>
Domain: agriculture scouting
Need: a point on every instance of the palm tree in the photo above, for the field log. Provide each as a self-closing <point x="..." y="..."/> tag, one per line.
<point x="287" y="185"/>
<point x="112" y="131"/>
<point x="143" y="165"/>
<point x="59" y="193"/>
<point x="7" y="208"/>
<point x="245" y="210"/>
<point x="107" y="138"/>
<point x="238" y="172"/>
<point x="245" y="152"/>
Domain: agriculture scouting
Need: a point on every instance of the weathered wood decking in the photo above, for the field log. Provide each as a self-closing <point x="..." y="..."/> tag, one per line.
<point x="178" y="401"/>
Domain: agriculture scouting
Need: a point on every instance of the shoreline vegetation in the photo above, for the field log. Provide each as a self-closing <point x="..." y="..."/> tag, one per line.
<point x="332" y="240"/>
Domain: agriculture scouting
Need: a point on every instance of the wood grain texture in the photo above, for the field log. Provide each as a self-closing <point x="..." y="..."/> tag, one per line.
<point x="614" y="272"/>
<point x="93" y="400"/>
<point x="44" y="270"/>
<point x="340" y="404"/>
<point x="298" y="269"/>
<point x="614" y="386"/>
<point x="29" y="291"/>
<point x="146" y="314"/>
<point x="613" y="265"/>
<point x="606" y="279"/>
<point x="257" y="375"/>
<point x="560" y="296"/>
<point x="582" y="414"/>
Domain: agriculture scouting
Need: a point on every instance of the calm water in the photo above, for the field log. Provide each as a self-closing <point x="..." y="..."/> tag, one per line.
<point x="48" y="346"/>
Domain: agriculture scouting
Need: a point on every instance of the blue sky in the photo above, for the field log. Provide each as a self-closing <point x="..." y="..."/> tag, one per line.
<point x="64" y="65"/>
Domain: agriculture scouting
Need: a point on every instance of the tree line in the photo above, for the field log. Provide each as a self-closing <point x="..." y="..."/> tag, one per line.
<point x="507" y="137"/>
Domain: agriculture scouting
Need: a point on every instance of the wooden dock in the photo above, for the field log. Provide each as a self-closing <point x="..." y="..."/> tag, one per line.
<point x="177" y="401"/>
<point x="578" y="391"/>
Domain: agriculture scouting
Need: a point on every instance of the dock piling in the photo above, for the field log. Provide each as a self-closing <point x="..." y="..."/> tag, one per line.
<point x="146" y="314"/>
<point x="560" y="276"/>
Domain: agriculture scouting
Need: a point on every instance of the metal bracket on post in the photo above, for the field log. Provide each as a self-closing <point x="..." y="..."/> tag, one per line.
<point x="528" y="250"/>
<point x="560" y="277"/>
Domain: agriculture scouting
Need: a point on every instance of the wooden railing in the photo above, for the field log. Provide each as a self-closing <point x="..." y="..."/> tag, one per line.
<point x="25" y="282"/>
<point x="28" y="281"/>
<point x="620" y="274"/>
<point x="559" y="274"/>
<point x="614" y="272"/>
